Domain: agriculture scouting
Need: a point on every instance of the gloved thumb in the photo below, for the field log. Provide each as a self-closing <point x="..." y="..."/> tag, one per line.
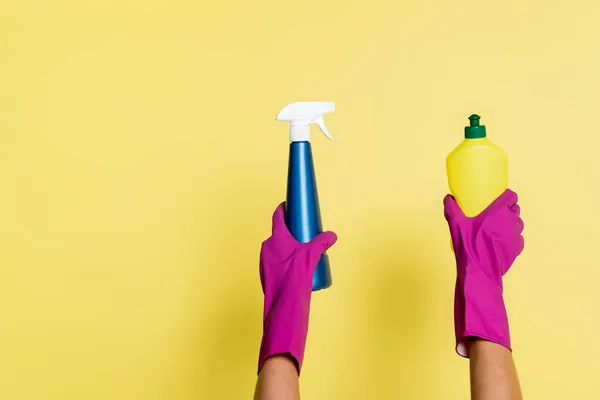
<point x="451" y="208"/>
<point x="323" y="241"/>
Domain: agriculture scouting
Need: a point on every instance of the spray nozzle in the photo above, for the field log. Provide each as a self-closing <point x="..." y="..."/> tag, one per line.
<point x="303" y="114"/>
<point x="474" y="119"/>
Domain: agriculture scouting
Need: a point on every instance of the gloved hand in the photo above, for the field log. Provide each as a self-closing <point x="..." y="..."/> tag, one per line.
<point x="286" y="273"/>
<point x="485" y="247"/>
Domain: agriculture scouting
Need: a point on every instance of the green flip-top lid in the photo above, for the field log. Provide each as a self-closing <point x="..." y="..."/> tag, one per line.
<point x="474" y="130"/>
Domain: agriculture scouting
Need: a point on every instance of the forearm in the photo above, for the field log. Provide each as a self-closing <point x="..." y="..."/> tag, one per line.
<point x="278" y="380"/>
<point x="493" y="372"/>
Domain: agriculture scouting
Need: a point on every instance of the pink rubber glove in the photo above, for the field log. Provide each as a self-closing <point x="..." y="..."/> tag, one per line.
<point x="485" y="247"/>
<point x="286" y="273"/>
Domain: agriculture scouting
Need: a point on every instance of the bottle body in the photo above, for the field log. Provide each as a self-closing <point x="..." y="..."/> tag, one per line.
<point x="302" y="213"/>
<point x="477" y="174"/>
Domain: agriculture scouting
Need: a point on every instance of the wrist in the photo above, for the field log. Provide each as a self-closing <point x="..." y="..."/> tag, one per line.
<point x="281" y="361"/>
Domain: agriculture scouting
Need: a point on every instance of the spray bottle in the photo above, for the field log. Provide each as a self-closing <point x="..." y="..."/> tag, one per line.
<point x="302" y="213"/>
<point x="477" y="170"/>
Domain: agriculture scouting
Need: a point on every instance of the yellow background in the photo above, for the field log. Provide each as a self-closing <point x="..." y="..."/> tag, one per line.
<point x="140" y="163"/>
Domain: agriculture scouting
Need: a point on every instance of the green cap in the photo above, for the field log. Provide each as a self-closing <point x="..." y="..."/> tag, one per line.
<point x="474" y="131"/>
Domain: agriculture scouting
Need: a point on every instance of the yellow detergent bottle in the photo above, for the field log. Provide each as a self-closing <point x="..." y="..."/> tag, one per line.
<point x="477" y="170"/>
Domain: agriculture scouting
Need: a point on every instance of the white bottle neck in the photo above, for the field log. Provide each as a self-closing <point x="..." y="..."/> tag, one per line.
<point x="299" y="132"/>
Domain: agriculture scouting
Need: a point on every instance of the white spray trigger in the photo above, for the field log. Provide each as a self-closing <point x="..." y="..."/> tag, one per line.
<point x="303" y="114"/>
<point x="321" y="124"/>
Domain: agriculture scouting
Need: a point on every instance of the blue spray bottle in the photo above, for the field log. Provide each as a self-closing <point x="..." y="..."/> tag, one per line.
<point x="302" y="214"/>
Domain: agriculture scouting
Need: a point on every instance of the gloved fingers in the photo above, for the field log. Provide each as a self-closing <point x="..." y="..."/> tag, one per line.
<point x="516" y="209"/>
<point x="510" y="255"/>
<point x="451" y="208"/>
<point x="507" y="199"/>
<point x="316" y="247"/>
<point x="520" y="225"/>
<point x="323" y="241"/>
<point x="521" y="244"/>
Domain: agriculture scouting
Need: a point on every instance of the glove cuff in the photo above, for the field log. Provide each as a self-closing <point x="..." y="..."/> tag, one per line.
<point x="479" y="312"/>
<point x="284" y="332"/>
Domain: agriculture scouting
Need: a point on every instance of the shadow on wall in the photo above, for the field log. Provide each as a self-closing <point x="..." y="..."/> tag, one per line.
<point x="392" y="339"/>
<point x="221" y="341"/>
<point x="388" y="331"/>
